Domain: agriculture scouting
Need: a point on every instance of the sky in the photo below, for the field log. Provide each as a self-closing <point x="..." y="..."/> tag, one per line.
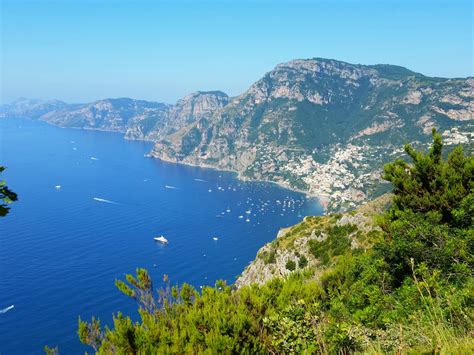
<point x="84" y="50"/>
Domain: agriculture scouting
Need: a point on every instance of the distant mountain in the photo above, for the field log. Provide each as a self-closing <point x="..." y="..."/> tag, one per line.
<point x="325" y="126"/>
<point x="318" y="125"/>
<point x="30" y="108"/>
<point x="138" y="119"/>
<point x="109" y="114"/>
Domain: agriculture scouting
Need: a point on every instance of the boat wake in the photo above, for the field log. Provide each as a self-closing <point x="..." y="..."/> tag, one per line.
<point x="200" y="180"/>
<point x="172" y="187"/>
<point x="105" y="201"/>
<point x="5" y="310"/>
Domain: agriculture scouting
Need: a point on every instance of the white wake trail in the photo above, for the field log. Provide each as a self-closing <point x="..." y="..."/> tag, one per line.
<point x="171" y="187"/>
<point x="5" y="310"/>
<point x="106" y="201"/>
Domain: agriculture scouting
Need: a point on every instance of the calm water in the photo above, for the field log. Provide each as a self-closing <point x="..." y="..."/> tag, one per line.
<point x="61" y="250"/>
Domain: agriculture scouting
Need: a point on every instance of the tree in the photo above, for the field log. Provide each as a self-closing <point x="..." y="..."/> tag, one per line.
<point x="430" y="221"/>
<point x="431" y="183"/>
<point x="6" y="196"/>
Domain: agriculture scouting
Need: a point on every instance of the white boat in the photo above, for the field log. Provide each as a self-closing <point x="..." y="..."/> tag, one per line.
<point x="215" y="238"/>
<point x="161" y="239"/>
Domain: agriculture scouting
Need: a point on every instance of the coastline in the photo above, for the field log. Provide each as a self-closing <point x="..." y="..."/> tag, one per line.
<point x="320" y="199"/>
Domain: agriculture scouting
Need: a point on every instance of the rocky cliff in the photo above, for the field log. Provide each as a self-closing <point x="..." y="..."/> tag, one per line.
<point x="325" y="126"/>
<point x="315" y="242"/>
<point x="193" y="107"/>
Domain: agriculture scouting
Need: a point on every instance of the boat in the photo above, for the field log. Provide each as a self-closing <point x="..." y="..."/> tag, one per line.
<point x="215" y="238"/>
<point x="161" y="239"/>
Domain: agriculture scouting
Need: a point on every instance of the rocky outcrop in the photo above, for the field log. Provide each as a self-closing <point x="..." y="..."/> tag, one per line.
<point x="191" y="108"/>
<point x="294" y="248"/>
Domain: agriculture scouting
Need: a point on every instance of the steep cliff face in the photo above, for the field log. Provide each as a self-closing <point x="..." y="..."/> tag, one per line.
<point x="187" y="110"/>
<point x="323" y="126"/>
<point x="315" y="242"/>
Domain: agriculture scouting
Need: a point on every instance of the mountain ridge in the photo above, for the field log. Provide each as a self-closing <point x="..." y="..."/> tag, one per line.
<point x="290" y="124"/>
<point x="321" y="126"/>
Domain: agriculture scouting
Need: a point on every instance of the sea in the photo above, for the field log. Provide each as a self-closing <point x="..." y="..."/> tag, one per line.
<point x="89" y="205"/>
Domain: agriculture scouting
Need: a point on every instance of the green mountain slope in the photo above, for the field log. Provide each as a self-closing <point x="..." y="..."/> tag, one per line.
<point x="325" y="126"/>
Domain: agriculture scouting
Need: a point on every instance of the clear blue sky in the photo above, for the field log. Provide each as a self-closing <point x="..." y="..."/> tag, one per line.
<point x="161" y="50"/>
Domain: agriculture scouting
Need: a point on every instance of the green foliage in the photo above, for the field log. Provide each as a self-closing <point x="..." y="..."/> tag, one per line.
<point x="290" y="265"/>
<point x="334" y="244"/>
<point x="431" y="219"/>
<point x="302" y="262"/>
<point x="395" y="72"/>
<point x="90" y="333"/>
<point x="410" y="292"/>
<point x="269" y="257"/>
<point x="431" y="184"/>
<point x="293" y="329"/>
<point x="191" y="140"/>
<point x="6" y="196"/>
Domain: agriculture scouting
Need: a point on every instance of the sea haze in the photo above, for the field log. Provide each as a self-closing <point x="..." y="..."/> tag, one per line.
<point x="89" y="206"/>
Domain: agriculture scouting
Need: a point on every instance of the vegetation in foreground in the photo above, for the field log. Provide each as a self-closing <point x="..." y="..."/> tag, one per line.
<point x="411" y="292"/>
<point x="7" y="196"/>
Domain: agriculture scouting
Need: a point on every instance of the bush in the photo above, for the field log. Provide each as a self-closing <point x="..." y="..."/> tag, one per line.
<point x="335" y="244"/>
<point x="302" y="262"/>
<point x="290" y="265"/>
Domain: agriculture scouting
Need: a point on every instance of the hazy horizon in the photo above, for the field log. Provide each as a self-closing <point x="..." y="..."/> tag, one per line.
<point x="82" y="51"/>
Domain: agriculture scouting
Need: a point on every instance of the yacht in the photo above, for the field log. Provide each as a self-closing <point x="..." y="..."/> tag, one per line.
<point x="161" y="239"/>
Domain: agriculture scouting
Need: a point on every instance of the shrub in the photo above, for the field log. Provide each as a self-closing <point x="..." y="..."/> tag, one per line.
<point x="336" y="243"/>
<point x="302" y="262"/>
<point x="291" y="265"/>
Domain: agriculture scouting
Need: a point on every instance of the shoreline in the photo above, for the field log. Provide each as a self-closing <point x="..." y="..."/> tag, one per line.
<point x="321" y="200"/>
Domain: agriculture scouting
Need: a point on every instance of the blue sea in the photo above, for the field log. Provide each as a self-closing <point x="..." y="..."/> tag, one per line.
<point x="89" y="206"/>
